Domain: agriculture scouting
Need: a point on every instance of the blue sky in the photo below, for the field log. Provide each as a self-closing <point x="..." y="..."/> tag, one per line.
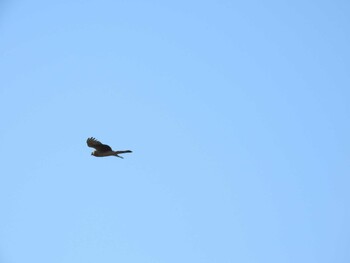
<point x="237" y="113"/>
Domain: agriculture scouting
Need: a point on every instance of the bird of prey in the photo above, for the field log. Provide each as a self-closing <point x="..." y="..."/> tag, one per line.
<point x="103" y="149"/>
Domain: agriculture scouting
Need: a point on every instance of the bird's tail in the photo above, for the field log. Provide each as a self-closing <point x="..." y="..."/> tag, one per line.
<point x="118" y="152"/>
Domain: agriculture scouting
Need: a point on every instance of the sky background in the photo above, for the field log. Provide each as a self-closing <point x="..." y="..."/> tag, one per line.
<point x="237" y="113"/>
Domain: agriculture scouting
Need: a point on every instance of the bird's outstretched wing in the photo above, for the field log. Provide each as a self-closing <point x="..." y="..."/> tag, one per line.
<point x="118" y="152"/>
<point x="92" y="142"/>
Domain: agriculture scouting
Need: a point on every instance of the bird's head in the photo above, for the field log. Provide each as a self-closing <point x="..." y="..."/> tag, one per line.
<point x="93" y="153"/>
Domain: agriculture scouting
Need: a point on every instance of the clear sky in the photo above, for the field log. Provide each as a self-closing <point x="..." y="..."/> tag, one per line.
<point x="237" y="113"/>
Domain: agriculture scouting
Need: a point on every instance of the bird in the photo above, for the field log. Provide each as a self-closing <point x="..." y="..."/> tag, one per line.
<point x="102" y="150"/>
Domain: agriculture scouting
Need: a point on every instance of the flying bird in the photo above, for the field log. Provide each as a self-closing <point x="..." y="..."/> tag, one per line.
<point x="102" y="150"/>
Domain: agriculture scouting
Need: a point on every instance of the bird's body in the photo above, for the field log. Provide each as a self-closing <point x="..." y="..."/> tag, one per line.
<point x="102" y="150"/>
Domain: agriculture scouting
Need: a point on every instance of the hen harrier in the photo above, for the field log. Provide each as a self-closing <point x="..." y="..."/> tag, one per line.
<point x="103" y="149"/>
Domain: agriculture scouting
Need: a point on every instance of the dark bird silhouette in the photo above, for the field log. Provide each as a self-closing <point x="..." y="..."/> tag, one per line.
<point x="102" y="150"/>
